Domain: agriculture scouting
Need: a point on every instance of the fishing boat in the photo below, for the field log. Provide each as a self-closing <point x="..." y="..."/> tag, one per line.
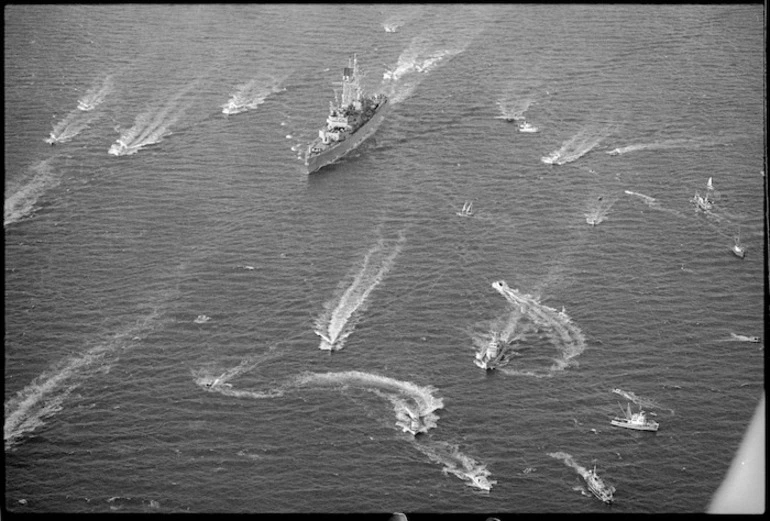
<point x="350" y="121"/>
<point x="599" y="489"/>
<point x="636" y="421"/>
<point x="467" y="210"/>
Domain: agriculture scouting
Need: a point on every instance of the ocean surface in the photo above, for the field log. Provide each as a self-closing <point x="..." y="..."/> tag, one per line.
<point x="166" y="298"/>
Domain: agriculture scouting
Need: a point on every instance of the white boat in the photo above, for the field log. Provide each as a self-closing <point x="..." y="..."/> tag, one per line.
<point x="550" y="158"/>
<point x="493" y="356"/>
<point x="636" y="421"/>
<point x="467" y="210"/>
<point x="526" y="127"/>
<point x="598" y="487"/>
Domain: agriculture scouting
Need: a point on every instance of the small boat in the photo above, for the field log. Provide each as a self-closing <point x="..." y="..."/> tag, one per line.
<point x="738" y="249"/>
<point x="598" y="487"/>
<point x="701" y="202"/>
<point x="467" y="210"/>
<point x="744" y="338"/>
<point x="526" y="127"/>
<point x="636" y="421"/>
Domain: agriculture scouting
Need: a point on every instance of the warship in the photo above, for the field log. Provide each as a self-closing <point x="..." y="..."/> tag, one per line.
<point x="351" y="121"/>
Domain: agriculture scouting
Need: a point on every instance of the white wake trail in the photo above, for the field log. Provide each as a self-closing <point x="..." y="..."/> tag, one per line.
<point x="565" y="336"/>
<point x="335" y="325"/>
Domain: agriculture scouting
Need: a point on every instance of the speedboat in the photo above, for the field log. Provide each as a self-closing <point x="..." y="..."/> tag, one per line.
<point x="636" y="421"/>
<point x="550" y="158"/>
<point x="738" y="250"/>
<point x="598" y="487"/>
<point x="526" y="127"/>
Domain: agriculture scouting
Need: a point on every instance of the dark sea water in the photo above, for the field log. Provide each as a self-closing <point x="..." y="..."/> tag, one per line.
<point x="132" y="281"/>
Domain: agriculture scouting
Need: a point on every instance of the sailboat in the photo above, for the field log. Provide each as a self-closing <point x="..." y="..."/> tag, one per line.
<point x="636" y="421"/>
<point x="738" y="249"/>
<point x="467" y="210"/>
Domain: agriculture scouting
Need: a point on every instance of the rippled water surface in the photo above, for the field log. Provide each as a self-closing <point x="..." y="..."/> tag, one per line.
<point x="171" y="271"/>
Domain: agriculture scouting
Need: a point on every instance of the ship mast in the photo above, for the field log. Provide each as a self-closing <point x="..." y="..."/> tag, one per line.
<point x="351" y="87"/>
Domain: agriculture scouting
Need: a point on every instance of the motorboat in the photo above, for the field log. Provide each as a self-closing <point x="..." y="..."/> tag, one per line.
<point x="636" y="421"/>
<point x="526" y="127"/>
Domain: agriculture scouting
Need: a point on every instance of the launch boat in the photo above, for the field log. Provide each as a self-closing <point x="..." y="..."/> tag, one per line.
<point x="350" y="121"/>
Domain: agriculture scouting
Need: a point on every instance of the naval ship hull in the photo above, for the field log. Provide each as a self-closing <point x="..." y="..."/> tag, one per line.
<point x="335" y="153"/>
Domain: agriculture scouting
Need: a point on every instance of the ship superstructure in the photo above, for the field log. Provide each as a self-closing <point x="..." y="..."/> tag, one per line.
<point x="351" y="120"/>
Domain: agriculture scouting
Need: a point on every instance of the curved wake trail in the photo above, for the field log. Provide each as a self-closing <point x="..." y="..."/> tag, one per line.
<point x="565" y="336"/>
<point x="418" y="59"/>
<point x="654" y="204"/>
<point x="21" y="201"/>
<point x="151" y="127"/>
<point x="457" y="463"/>
<point x="414" y="405"/>
<point x="45" y="395"/>
<point x="335" y="324"/>
<point x="577" y="146"/>
<point x="251" y="94"/>
<point x="504" y="334"/>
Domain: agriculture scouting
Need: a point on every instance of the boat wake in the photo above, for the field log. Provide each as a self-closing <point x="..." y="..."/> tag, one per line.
<point x="414" y="406"/>
<point x="76" y="121"/>
<point x="598" y="210"/>
<point x="95" y="95"/>
<point x="252" y="94"/>
<point x="644" y="403"/>
<point x="21" y="199"/>
<point x="654" y="204"/>
<point x="570" y="462"/>
<point x="514" y="111"/>
<point x="577" y="146"/>
<point x="337" y="321"/>
<point x="45" y="395"/>
<point x="664" y="145"/>
<point x="501" y="336"/>
<point x="557" y="327"/>
<point x="151" y="127"/>
<point x="73" y="124"/>
<point x="419" y="58"/>
<point x="456" y="463"/>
